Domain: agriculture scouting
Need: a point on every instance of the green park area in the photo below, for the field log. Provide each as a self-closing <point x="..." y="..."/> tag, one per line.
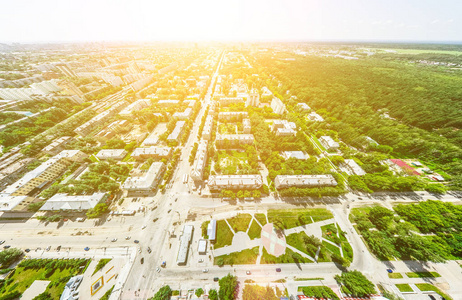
<point x="57" y="271"/>
<point x="427" y="231"/>
<point x="290" y="218"/>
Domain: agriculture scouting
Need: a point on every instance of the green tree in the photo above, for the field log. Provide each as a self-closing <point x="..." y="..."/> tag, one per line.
<point x="8" y="256"/>
<point x="213" y="295"/>
<point x="97" y="211"/>
<point x="164" y="293"/>
<point x="228" y="286"/>
<point x="199" y="292"/>
<point x="355" y="283"/>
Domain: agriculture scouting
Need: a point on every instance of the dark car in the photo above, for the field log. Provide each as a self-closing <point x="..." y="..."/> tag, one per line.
<point x="278" y="269"/>
<point x="27" y="250"/>
<point x="6" y="246"/>
<point x="86" y="248"/>
<point x="58" y="248"/>
<point x="136" y="241"/>
<point x="149" y="250"/>
<point x="142" y="260"/>
<point x="389" y="270"/>
<point x="216" y="279"/>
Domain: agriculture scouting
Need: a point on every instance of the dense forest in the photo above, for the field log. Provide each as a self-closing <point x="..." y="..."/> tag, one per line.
<point x="414" y="109"/>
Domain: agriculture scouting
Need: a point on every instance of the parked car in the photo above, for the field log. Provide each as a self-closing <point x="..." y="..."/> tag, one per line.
<point x="389" y="270"/>
<point x="86" y="248"/>
<point x="136" y="241"/>
<point x="48" y="248"/>
<point x="149" y="250"/>
<point x="58" y="248"/>
<point x="216" y="279"/>
<point x="278" y="269"/>
<point x="142" y="260"/>
<point x="2" y="242"/>
<point x="248" y="272"/>
<point x="205" y="271"/>
<point x="114" y="240"/>
<point x="6" y="246"/>
<point x="27" y="250"/>
<point x="157" y="269"/>
<point x="128" y="237"/>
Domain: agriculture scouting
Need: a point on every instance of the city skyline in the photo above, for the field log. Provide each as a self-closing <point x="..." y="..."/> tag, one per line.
<point x="205" y="20"/>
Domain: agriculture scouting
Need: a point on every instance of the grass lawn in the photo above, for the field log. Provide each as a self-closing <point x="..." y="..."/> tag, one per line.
<point x="422" y="274"/>
<point x="101" y="264"/>
<point x="240" y="222"/>
<point x="315" y="139"/>
<point x="404" y="287"/>
<point x="286" y="258"/>
<point x="232" y="161"/>
<point x="329" y="232"/>
<point x="224" y="234"/>
<point x="331" y="248"/>
<point x="298" y="217"/>
<point x="107" y="294"/>
<point x="296" y="240"/>
<point x="254" y="231"/>
<point x="395" y="275"/>
<point x="245" y="257"/>
<point x="430" y="287"/>
<point x="22" y="278"/>
<point x="261" y="218"/>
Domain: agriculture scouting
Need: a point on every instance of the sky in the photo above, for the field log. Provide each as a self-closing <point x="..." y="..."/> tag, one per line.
<point x="29" y="21"/>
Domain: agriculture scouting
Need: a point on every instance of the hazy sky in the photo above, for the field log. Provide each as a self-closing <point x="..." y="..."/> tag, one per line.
<point x="146" y="20"/>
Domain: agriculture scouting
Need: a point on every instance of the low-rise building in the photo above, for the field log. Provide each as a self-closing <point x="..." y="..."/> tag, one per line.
<point x="116" y="154"/>
<point x="186" y="114"/>
<point x="315" y="117"/>
<point x="167" y="103"/>
<point x="45" y="173"/>
<point x="284" y="128"/>
<point x="185" y="241"/>
<point x="14" y="203"/>
<point x="57" y="145"/>
<point x="207" y="130"/>
<point x="219" y="182"/>
<point x="199" y="162"/>
<point x="151" y="152"/>
<point x="233" y="140"/>
<point x="295" y="154"/>
<point x="202" y="247"/>
<point x="303" y="106"/>
<point x="87" y="127"/>
<point x="329" y="143"/>
<point x="175" y="135"/>
<point x="227" y="101"/>
<point x="73" y="203"/>
<point x="212" y="230"/>
<point x="301" y="181"/>
<point x="147" y="183"/>
<point x="135" y="106"/>
<point x="353" y="167"/>
<point x="232" y="115"/>
<point x="247" y="126"/>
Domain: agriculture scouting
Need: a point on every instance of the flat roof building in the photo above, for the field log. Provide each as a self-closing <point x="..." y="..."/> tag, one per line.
<point x="219" y="182"/>
<point x="45" y="173"/>
<point x="303" y="106"/>
<point x="135" y="106"/>
<point x="277" y="106"/>
<point x="185" y="241"/>
<point x="57" y="145"/>
<point x="247" y="127"/>
<point x="212" y="230"/>
<point x="353" y="167"/>
<point x="202" y="247"/>
<point x="200" y="161"/>
<point x="186" y="114"/>
<point x="227" y="101"/>
<point x="232" y="115"/>
<point x="175" y="135"/>
<point x="287" y="181"/>
<point x="233" y="140"/>
<point x="315" y="117"/>
<point x="116" y="154"/>
<point x="328" y="143"/>
<point x="295" y="154"/>
<point x="146" y="183"/>
<point x="166" y="103"/>
<point x="151" y="152"/>
<point x="72" y="203"/>
<point x="207" y="130"/>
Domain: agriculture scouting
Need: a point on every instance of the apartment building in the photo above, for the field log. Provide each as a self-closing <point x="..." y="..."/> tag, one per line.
<point x="200" y="161"/>
<point x="303" y="181"/>
<point x="219" y="182"/>
<point x="233" y="140"/>
<point x="175" y="135"/>
<point x="151" y="152"/>
<point x="146" y="183"/>
<point x="232" y="115"/>
<point x="329" y="143"/>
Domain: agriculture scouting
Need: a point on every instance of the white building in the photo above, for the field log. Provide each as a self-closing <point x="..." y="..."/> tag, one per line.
<point x="303" y="106"/>
<point x="295" y="154"/>
<point x="233" y="140"/>
<point x="135" y="106"/>
<point x="151" y="152"/>
<point x="287" y="181"/>
<point x="147" y="183"/>
<point x="57" y="145"/>
<point x="353" y="167"/>
<point x="72" y="203"/>
<point x="247" y="127"/>
<point x="186" y="114"/>
<point x="328" y="143"/>
<point x="277" y="106"/>
<point x="315" y="117"/>
<point x="253" y="99"/>
<point x="207" y="130"/>
<point x="284" y="128"/>
<point x="116" y="154"/>
<point x="227" y="101"/>
<point x="185" y="241"/>
<point x="166" y="103"/>
<point x="175" y="135"/>
<point x="200" y="161"/>
<point x="219" y="182"/>
<point x="212" y="230"/>
<point x="232" y="115"/>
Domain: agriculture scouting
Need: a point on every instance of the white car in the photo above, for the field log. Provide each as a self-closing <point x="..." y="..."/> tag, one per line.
<point x="205" y="271"/>
<point x="201" y="260"/>
<point x="114" y="240"/>
<point x="158" y="270"/>
<point x="127" y="237"/>
<point x="143" y="227"/>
